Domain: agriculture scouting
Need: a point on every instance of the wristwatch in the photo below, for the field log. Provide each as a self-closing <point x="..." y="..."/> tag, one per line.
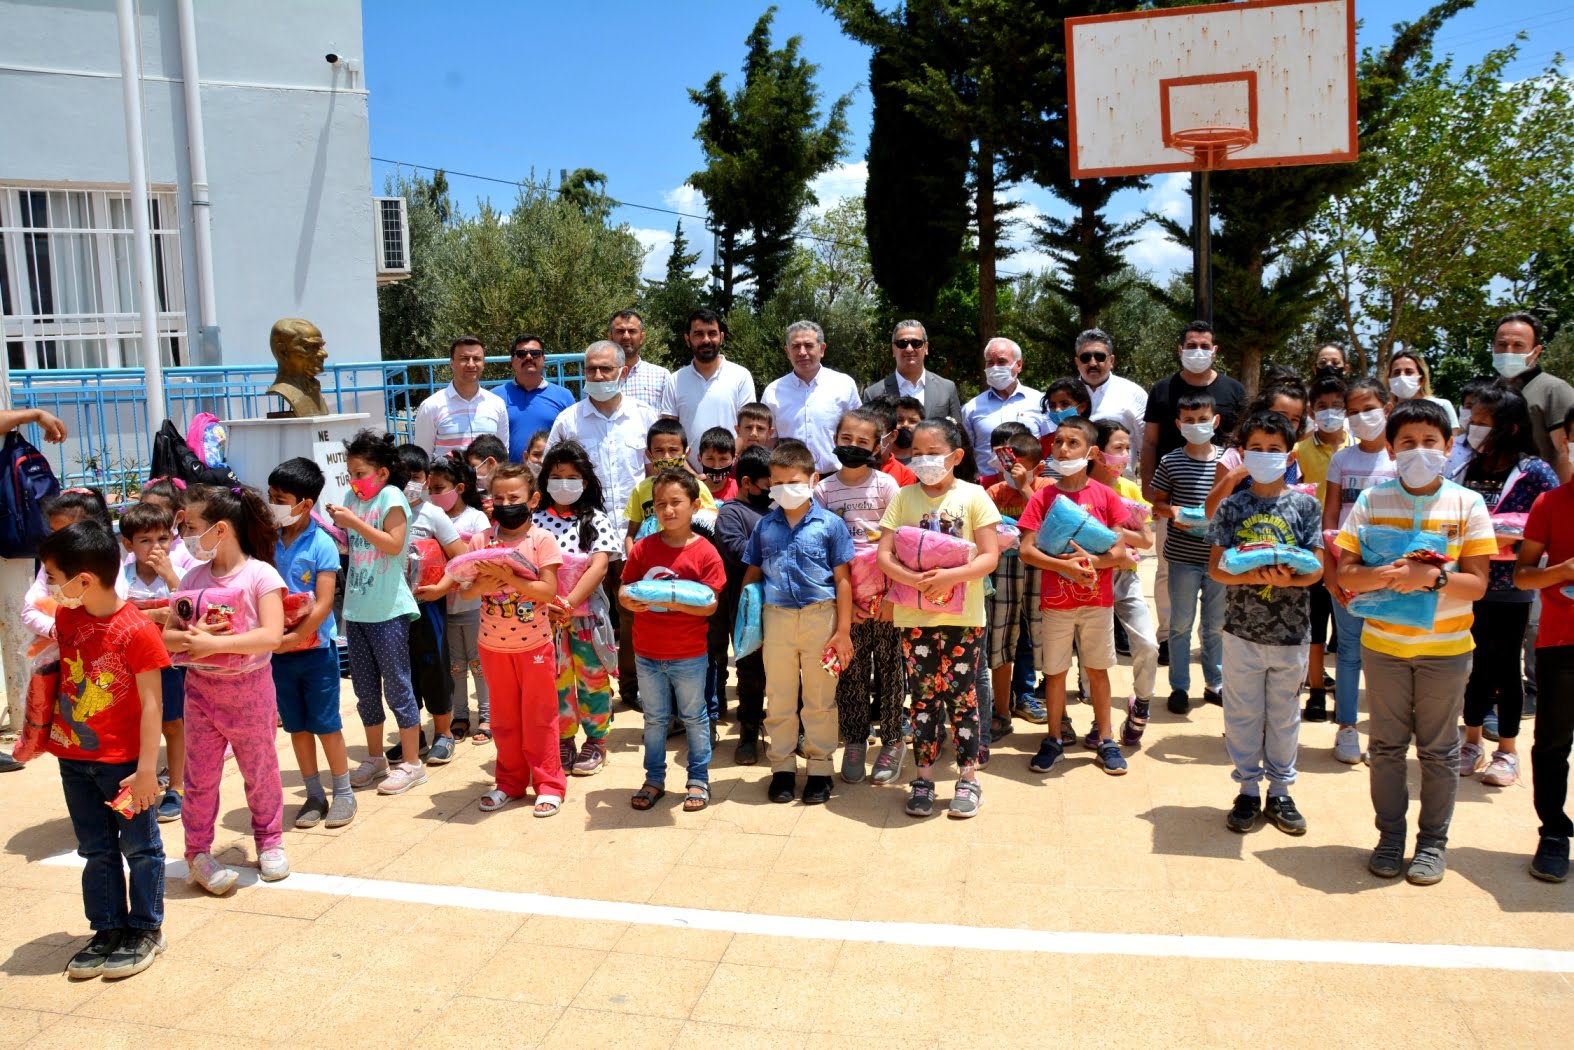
<point x="1441" y="581"/>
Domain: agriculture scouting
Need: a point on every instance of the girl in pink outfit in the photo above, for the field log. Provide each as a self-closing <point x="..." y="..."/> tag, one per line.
<point x="229" y="681"/>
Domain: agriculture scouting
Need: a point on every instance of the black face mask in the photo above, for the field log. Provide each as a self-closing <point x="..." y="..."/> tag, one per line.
<point x="904" y="437"/>
<point x="853" y="456"/>
<point x="760" y="500"/>
<point x="511" y="515"/>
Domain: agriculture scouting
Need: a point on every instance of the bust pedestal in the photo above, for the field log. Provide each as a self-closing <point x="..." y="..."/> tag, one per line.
<point x="256" y="446"/>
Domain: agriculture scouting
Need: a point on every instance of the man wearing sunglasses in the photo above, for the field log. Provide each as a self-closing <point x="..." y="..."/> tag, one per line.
<point x="1114" y="397"/>
<point x="910" y="346"/>
<point x="533" y="403"/>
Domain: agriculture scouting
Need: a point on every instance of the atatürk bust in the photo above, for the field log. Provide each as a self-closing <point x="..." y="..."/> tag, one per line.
<point x="298" y="348"/>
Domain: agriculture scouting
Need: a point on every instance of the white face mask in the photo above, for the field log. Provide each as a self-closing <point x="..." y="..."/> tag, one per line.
<point x="1265" y="467"/>
<point x="1196" y="361"/>
<point x="64" y="600"/>
<point x="284" y="515"/>
<point x="533" y="467"/>
<point x="602" y="389"/>
<point x="999" y="377"/>
<point x="931" y="470"/>
<point x="195" y="548"/>
<point x="1067" y="467"/>
<point x="1197" y="433"/>
<point x="1510" y="366"/>
<point x="1419" y="467"/>
<point x="1477" y="436"/>
<point x="1330" y="420"/>
<point x="565" y="490"/>
<point x="791" y="497"/>
<point x="415" y="492"/>
<point x="1404" y="387"/>
<point x="1368" y="425"/>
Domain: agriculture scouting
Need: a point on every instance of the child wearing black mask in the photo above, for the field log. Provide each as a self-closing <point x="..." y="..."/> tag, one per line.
<point x="734" y="522"/>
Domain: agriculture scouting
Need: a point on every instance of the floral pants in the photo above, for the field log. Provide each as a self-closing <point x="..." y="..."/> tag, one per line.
<point x="942" y="673"/>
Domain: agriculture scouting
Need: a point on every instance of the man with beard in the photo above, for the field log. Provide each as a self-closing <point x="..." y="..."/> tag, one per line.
<point x="708" y="391"/>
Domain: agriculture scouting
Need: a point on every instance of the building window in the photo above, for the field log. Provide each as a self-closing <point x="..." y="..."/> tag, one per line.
<point x="68" y="279"/>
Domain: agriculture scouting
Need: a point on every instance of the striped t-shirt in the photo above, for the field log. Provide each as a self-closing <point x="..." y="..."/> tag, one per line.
<point x="1461" y="517"/>
<point x="1186" y="482"/>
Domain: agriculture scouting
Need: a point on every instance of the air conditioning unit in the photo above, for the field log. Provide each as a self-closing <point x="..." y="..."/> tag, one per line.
<point x="392" y="239"/>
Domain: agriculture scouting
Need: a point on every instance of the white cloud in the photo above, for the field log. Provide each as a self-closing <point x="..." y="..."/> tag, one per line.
<point x="1153" y="251"/>
<point x="658" y="246"/>
<point x="685" y="199"/>
<point x="1171" y="196"/>
<point x="841" y="182"/>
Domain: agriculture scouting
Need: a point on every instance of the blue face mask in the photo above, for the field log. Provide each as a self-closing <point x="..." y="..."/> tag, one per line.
<point x="1058" y="416"/>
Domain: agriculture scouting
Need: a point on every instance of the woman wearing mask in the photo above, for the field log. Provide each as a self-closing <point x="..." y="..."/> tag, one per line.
<point x="1410" y="378"/>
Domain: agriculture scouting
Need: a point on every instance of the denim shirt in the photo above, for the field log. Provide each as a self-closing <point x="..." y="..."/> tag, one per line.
<point x="798" y="560"/>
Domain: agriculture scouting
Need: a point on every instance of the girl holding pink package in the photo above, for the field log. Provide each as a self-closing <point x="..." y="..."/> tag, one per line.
<point x="225" y="622"/>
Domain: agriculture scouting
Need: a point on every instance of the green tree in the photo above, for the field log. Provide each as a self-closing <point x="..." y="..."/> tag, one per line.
<point x="1473" y="170"/>
<point x="407" y="311"/>
<point x="586" y="189"/>
<point x="763" y="144"/>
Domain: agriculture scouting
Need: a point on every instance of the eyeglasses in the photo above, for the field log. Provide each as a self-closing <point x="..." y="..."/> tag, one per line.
<point x="530" y="352"/>
<point x="1092" y="355"/>
<point x="907" y="344"/>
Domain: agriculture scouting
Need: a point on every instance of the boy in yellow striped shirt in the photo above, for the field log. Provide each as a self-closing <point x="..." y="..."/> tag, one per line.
<point x="1415" y="679"/>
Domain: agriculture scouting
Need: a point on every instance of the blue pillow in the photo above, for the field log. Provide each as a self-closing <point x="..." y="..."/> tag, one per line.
<point x="1065" y="522"/>
<point x="747" y="634"/>
<point x="1383" y="545"/>
<point x="671" y="592"/>
<point x="1266" y="555"/>
<point x="1191" y="519"/>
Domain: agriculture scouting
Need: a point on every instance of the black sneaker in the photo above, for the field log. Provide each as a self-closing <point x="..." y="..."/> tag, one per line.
<point x="1180" y="703"/>
<point x="89" y="962"/>
<point x="1284" y="816"/>
<point x="1050" y="754"/>
<point x="1551" y="862"/>
<point x="1388" y="859"/>
<point x="1243" y="815"/>
<point x="748" y="752"/>
<point x="783" y="787"/>
<point x="1164" y="653"/>
<point x="1212" y="696"/>
<point x="816" y="791"/>
<point x="135" y="953"/>
<point x="1316" y="706"/>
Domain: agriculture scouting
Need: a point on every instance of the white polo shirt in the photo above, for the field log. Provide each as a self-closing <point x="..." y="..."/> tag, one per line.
<point x="700" y="403"/>
<point x="809" y="411"/>
<point x="1120" y="399"/>
<point x="447" y="422"/>
<point x="988" y="410"/>
<point x="615" y="442"/>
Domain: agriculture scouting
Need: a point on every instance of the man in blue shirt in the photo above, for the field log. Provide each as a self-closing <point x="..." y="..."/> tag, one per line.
<point x="801" y="551"/>
<point x="533" y="403"/>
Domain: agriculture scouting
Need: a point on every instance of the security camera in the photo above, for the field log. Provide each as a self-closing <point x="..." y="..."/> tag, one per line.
<point x="332" y="57"/>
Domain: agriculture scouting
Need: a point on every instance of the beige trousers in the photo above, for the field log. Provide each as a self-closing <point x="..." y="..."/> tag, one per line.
<point x="795" y="641"/>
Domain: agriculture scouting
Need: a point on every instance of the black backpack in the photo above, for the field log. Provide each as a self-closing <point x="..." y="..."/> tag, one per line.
<point x="27" y="482"/>
<point x="173" y="458"/>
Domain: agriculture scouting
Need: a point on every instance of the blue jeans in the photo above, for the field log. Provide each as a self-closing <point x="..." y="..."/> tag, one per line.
<point x="668" y="687"/>
<point x="1347" y="684"/>
<point x="1186" y="582"/>
<point x="103" y="836"/>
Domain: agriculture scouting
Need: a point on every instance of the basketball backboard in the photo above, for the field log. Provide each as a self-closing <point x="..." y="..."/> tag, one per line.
<point x="1236" y="85"/>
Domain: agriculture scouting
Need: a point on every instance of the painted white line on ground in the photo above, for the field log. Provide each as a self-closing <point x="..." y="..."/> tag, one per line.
<point x="923" y="935"/>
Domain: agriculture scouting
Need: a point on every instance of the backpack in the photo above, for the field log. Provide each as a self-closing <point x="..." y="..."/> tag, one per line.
<point x="26" y="481"/>
<point x="173" y="458"/>
<point x="207" y="438"/>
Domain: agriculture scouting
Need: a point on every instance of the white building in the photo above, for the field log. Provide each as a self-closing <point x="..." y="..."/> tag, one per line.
<point x="288" y="173"/>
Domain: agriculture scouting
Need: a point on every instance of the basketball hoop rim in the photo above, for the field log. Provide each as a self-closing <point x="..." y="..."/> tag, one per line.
<point x="1212" y="138"/>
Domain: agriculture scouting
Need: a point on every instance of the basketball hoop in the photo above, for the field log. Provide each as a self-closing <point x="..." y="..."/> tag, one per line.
<point x="1209" y="146"/>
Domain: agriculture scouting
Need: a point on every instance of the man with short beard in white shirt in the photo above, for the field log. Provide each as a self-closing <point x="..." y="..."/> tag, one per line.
<point x="708" y="391"/>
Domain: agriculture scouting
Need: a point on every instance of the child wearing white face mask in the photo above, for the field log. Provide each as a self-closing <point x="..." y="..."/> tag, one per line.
<point x="572" y="512"/>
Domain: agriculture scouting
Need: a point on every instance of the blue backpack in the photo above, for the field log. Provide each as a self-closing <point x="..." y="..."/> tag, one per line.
<point x="26" y="481"/>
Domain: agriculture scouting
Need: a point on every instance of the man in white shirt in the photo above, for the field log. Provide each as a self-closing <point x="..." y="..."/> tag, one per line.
<point x="708" y="391"/>
<point x="611" y="425"/>
<point x="641" y="379"/>
<point x="1004" y="399"/>
<point x="808" y="401"/>
<point x="461" y="412"/>
<point x="1114" y="397"/>
<point x="910" y="347"/>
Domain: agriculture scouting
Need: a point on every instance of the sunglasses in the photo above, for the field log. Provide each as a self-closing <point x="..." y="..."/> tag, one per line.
<point x="907" y="344"/>
<point x="529" y="353"/>
<point x="1092" y="355"/>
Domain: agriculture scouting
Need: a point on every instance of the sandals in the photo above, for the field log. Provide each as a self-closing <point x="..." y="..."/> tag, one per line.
<point x="692" y="802"/>
<point x="482" y="735"/>
<point x="647" y="796"/>
<point x="548" y="805"/>
<point x="459" y="729"/>
<point x="495" y="800"/>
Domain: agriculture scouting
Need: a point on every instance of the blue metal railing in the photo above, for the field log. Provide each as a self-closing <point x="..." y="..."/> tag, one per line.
<point x="105" y="410"/>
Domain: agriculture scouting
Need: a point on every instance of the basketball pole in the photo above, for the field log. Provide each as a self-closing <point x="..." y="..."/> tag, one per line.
<point x="1201" y="248"/>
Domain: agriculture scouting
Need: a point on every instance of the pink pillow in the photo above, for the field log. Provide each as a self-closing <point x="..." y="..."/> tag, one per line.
<point x="464" y="567"/>
<point x="574" y="565"/>
<point x="869" y="583"/>
<point x="924" y="549"/>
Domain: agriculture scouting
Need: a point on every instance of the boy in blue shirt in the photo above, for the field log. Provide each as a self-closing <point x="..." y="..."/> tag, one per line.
<point x="801" y="551"/>
<point x="306" y="680"/>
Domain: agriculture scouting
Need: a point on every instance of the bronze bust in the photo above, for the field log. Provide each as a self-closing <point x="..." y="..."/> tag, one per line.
<point x="297" y="346"/>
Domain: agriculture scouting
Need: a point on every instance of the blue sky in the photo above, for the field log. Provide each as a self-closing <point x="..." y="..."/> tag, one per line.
<point x="497" y="88"/>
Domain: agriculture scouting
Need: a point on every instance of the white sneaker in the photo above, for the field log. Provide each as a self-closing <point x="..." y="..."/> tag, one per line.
<point x="1347" y="745"/>
<point x="369" y="772"/>
<point x="1502" y="771"/>
<point x="402" y="778"/>
<point x="211" y="875"/>
<point x="274" y="864"/>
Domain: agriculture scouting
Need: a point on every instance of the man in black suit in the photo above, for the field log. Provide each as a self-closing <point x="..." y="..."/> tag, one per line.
<point x="910" y="345"/>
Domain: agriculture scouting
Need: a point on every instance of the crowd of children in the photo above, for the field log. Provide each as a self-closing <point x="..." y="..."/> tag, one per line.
<point x="893" y="596"/>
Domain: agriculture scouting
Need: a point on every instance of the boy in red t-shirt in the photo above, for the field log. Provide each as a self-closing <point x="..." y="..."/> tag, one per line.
<point x="1549" y="533"/>
<point x="1077" y="595"/>
<point x="671" y="652"/>
<point x="105" y="732"/>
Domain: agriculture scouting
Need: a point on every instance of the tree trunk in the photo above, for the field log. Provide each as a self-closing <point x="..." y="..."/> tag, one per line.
<point x="985" y="209"/>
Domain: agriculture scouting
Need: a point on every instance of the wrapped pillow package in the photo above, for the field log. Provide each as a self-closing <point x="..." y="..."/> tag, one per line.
<point x="465" y="567"/>
<point x="42" y="691"/>
<point x="1138" y="513"/>
<point x="869" y="583"/>
<point x="1192" y="519"/>
<point x="1384" y="545"/>
<point x="425" y="565"/>
<point x="663" y="593"/>
<point x="925" y="549"/>
<point x="1249" y="556"/>
<point x="214" y="607"/>
<point x="1010" y="535"/>
<point x="1066" y="523"/>
<point x="297" y="606"/>
<point x="747" y="633"/>
<point x="575" y="562"/>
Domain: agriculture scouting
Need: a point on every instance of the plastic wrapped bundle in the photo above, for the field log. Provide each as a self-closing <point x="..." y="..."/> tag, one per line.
<point x="575" y="562"/>
<point x="869" y="583"/>
<point x="1384" y="545"/>
<point x="1138" y="513"/>
<point x="1511" y="526"/>
<point x="1010" y="535"/>
<point x="925" y="549"/>
<point x="747" y="632"/>
<point x="214" y="607"/>
<point x="43" y="689"/>
<point x="465" y="566"/>
<point x="1249" y="556"/>
<point x="424" y="567"/>
<point x="297" y="606"/>
<point x="663" y="593"/>
<point x="1066" y="523"/>
<point x="1192" y="519"/>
